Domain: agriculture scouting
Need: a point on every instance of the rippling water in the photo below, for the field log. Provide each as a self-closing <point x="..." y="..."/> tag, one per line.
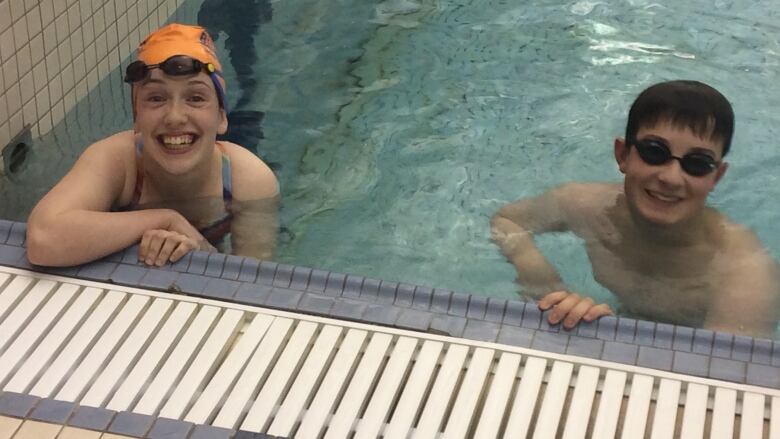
<point x="455" y="107"/>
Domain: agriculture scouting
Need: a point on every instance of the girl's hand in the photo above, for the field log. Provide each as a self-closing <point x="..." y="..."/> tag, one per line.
<point x="159" y="247"/>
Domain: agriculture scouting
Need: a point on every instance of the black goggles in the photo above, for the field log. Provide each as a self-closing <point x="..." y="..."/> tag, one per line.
<point x="655" y="152"/>
<point x="178" y="65"/>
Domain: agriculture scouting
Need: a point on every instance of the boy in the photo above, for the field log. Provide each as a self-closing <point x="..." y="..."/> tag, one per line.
<point x="652" y="241"/>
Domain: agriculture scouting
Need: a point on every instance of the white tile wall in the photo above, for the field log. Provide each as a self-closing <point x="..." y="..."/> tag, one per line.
<point x="53" y="52"/>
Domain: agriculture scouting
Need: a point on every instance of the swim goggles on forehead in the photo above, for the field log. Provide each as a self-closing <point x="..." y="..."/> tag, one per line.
<point x="654" y="152"/>
<point x="177" y="65"/>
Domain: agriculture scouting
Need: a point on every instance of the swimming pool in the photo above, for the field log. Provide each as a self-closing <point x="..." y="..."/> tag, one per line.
<point x="398" y="128"/>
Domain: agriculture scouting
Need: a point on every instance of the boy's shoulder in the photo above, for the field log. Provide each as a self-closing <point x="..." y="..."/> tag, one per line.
<point x="587" y="196"/>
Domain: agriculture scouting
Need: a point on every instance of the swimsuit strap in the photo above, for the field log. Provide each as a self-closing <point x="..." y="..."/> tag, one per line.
<point x="139" y="172"/>
<point x="227" y="179"/>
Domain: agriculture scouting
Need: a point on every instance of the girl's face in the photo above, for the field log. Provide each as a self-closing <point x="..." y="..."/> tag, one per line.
<point x="179" y="119"/>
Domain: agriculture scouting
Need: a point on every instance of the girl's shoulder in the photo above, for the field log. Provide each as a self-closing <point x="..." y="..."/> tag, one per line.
<point x="115" y="155"/>
<point x="119" y="148"/>
<point x="252" y="177"/>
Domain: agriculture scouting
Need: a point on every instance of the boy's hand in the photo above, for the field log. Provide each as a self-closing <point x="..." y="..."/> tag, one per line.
<point x="158" y="247"/>
<point x="571" y="308"/>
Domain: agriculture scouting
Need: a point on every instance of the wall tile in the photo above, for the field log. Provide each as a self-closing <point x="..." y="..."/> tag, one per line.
<point x="47" y="13"/>
<point x="17" y="9"/>
<point x="29" y="4"/>
<point x="52" y="61"/>
<point x="61" y="27"/>
<point x="69" y="101"/>
<point x="101" y="47"/>
<point x="59" y="7"/>
<point x="29" y="112"/>
<point x="85" y="8"/>
<point x="14" y="99"/>
<point x="3" y="112"/>
<point x="57" y="112"/>
<point x="24" y="60"/>
<point x="92" y="80"/>
<point x="20" y="33"/>
<point x="81" y="89"/>
<point x="44" y="124"/>
<point x="88" y="31"/>
<point x="7" y="44"/>
<point x="42" y="103"/>
<point x="5" y="134"/>
<point x="142" y="10"/>
<point x="36" y="49"/>
<point x="54" y="51"/>
<point x="27" y="88"/>
<point x="79" y="69"/>
<point x="34" y="21"/>
<point x="77" y="42"/>
<point x="109" y="10"/>
<point x="74" y="18"/>
<point x="5" y="15"/>
<point x="40" y="81"/>
<point x="99" y="21"/>
<point x="10" y="72"/>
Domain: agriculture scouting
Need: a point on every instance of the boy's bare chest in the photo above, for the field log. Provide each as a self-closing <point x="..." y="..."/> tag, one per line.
<point x="659" y="285"/>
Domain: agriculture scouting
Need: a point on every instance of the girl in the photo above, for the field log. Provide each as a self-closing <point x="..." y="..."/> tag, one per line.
<point x="168" y="183"/>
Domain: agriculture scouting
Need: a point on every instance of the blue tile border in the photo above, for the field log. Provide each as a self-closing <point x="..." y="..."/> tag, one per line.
<point x="698" y="352"/>
<point x="92" y="418"/>
<point x="131" y="424"/>
<point x="52" y="410"/>
<point x="17" y="404"/>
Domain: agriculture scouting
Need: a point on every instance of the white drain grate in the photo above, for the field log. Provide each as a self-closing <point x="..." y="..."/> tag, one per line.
<point x="248" y="368"/>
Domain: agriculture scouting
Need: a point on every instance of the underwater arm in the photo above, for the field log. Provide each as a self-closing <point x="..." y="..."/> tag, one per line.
<point x="513" y="228"/>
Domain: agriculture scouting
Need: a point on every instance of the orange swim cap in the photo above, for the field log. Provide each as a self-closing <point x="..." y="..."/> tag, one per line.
<point x="178" y="39"/>
<point x="182" y="39"/>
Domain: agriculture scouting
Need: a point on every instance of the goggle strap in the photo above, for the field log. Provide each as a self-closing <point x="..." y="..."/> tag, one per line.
<point x="220" y="90"/>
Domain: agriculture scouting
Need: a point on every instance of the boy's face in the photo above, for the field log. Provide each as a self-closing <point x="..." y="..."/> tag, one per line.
<point x="665" y="194"/>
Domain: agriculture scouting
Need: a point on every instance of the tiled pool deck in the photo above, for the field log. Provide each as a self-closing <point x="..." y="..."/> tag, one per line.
<point x="689" y="351"/>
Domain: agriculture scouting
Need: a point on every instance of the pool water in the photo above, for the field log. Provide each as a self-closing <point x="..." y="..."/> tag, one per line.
<point x="398" y="128"/>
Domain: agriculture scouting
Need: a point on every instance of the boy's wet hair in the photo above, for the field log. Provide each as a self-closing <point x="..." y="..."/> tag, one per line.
<point x="685" y="104"/>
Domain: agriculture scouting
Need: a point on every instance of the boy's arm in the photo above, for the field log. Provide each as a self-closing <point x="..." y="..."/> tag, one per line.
<point x="513" y="228"/>
<point x="72" y="223"/>
<point x="748" y="298"/>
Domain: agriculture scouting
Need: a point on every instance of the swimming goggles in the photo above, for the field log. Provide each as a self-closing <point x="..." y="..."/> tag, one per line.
<point x="177" y="65"/>
<point x="654" y="152"/>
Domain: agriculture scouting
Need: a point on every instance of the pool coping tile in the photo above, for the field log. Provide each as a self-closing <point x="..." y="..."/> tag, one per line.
<point x="131" y="424"/>
<point x="18" y="405"/>
<point x="166" y="428"/>
<point x="91" y="418"/>
<point x="697" y="352"/>
<point x="53" y="411"/>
